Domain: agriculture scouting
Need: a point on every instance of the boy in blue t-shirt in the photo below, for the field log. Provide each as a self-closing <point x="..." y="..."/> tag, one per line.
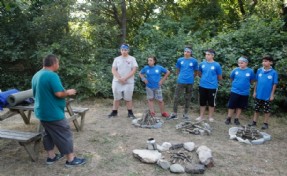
<point x="241" y="78"/>
<point x="186" y="69"/>
<point x="153" y="83"/>
<point x="264" y="89"/>
<point x="210" y="73"/>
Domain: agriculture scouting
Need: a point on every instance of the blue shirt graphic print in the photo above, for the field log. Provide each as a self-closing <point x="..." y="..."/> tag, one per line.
<point x="241" y="80"/>
<point x="209" y="72"/>
<point x="265" y="81"/>
<point x="186" y="70"/>
<point x="153" y="75"/>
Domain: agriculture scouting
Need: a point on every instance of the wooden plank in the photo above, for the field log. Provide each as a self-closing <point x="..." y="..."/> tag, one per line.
<point x="19" y="135"/>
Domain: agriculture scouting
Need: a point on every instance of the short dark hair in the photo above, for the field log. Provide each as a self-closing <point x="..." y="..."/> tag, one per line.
<point x="211" y="51"/>
<point x="267" y="57"/>
<point x="50" y="60"/>
<point x="154" y="58"/>
<point x="188" y="46"/>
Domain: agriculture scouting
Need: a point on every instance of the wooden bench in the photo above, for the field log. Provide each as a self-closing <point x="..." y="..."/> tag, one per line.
<point x="30" y="141"/>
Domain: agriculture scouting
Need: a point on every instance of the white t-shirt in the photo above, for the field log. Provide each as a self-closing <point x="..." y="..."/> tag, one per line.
<point x="124" y="66"/>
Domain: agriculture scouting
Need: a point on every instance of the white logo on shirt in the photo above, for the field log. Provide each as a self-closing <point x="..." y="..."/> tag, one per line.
<point x="202" y="66"/>
<point x="260" y="74"/>
<point x="181" y="62"/>
<point x="191" y="64"/>
<point x="247" y="74"/>
<point x="147" y="71"/>
<point x="269" y="77"/>
<point x="212" y="67"/>
<point x="156" y="71"/>
<point x="236" y="73"/>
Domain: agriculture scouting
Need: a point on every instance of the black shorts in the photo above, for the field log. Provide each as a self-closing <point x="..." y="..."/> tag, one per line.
<point x="262" y="105"/>
<point x="237" y="101"/>
<point x="207" y="96"/>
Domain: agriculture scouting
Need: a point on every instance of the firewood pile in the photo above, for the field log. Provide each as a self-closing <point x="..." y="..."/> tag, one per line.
<point x="250" y="133"/>
<point x="147" y="119"/>
<point x="194" y="127"/>
<point x="180" y="157"/>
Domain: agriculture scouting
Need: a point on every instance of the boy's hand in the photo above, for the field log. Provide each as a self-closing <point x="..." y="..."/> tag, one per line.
<point x="271" y="97"/>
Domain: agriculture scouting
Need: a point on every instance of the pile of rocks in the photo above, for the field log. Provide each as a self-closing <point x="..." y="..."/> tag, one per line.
<point x="197" y="128"/>
<point x="177" y="157"/>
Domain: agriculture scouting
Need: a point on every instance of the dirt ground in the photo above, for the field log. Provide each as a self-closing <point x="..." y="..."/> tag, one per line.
<point x="108" y="143"/>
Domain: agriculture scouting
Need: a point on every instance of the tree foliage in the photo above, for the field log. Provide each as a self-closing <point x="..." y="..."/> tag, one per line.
<point x="87" y="35"/>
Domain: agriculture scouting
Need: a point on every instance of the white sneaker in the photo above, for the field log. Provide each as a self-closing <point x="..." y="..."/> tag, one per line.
<point x="211" y="119"/>
<point x="199" y="119"/>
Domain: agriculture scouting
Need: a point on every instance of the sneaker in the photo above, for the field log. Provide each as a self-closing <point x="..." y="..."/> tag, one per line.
<point x="113" y="114"/>
<point x="199" y="119"/>
<point x="185" y="117"/>
<point x="172" y="116"/>
<point x="131" y="115"/>
<point x="211" y="119"/>
<point x="264" y="126"/>
<point x="236" y="121"/>
<point x="252" y="124"/>
<point x="76" y="162"/>
<point x="228" y="121"/>
<point x="56" y="158"/>
<point x="165" y="114"/>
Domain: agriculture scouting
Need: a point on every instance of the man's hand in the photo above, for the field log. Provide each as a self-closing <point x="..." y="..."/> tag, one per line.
<point x="71" y="92"/>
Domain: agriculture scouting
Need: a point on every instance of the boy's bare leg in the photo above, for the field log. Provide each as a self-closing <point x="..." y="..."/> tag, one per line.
<point x="116" y="104"/>
<point x="266" y="117"/>
<point x="202" y="111"/>
<point x="230" y="113"/>
<point x="210" y="111"/>
<point x="238" y="112"/>
<point x="151" y="105"/>
<point x="161" y="106"/>
<point x="129" y="105"/>
<point x="255" y="116"/>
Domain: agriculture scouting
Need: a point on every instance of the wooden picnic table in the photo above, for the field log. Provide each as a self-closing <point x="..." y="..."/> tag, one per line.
<point x="26" y="111"/>
<point x="30" y="140"/>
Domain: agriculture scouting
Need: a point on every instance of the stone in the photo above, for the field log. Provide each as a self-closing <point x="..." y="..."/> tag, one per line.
<point x="205" y="156"/>
<point x="147" y="156"/>
<point x="195" y="168"/>
<point x="177" y="168"/>
<point x="189" y="146"/>
<point x="164" y="147"/>
<point x="163" y="164"/>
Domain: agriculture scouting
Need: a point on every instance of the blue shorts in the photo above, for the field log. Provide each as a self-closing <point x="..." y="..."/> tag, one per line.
<point x="237" y="101"/>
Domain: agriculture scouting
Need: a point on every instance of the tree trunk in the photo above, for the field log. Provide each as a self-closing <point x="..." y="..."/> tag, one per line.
<point x="241" y="7"/>
<point x="124" y="21"/>
<point x="284" y="15"/>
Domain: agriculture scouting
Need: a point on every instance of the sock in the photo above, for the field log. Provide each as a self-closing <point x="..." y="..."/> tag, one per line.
<point x="130" y="111"/>
<point x="115" y="111"/>
<point x="254" y="122"/>
<point x="266" y="124"/>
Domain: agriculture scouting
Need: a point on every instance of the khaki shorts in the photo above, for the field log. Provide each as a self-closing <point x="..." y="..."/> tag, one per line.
<point x="154" y="94"/>
<point x="124" y="91"/>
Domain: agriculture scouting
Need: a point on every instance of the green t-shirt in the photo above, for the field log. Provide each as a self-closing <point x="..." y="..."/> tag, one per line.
<point x="48" y="107"/>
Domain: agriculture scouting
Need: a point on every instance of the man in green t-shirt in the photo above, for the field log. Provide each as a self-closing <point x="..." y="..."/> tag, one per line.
<point x="49" y="108"/>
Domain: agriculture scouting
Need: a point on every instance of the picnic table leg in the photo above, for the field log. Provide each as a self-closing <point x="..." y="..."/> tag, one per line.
<point x="32" y="148"/>
<point x="24" y="116"/>
<point x="8" y="114"/>
<point x="82" y="120"/>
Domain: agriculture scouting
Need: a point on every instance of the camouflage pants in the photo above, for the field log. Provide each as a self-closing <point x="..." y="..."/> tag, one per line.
<point x="185" y="89"/>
